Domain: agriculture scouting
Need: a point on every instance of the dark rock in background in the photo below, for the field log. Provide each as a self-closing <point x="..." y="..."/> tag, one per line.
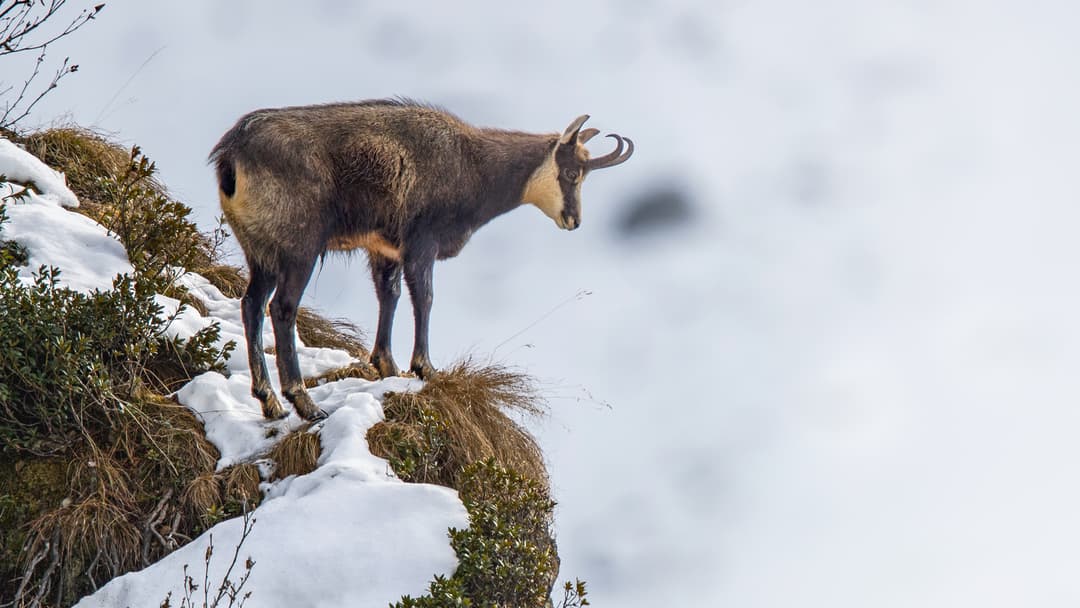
<point x="657" y="208"/>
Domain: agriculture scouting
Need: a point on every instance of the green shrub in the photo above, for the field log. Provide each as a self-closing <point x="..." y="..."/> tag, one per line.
<point x="11" y="252"/>
<point x="506" y="556"/>
<point x="75" y="370"/>
<point x="70" y="361"/>
<point x="442" y="593"/>
<point x="160" y="239"/>
<point x="414" y="439"/>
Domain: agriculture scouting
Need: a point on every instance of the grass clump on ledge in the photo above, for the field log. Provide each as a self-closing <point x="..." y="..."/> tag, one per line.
<point x="456" y="432"/>
<point x="317" y="330"/>
<point x="459" y="418"/>
<point x="296" y="454"/>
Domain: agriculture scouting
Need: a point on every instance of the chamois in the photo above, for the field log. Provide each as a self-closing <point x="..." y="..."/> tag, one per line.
<point x="407" y="182"/>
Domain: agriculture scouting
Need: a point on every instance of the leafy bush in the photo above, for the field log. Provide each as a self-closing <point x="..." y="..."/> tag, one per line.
<point x="77" y="375"/>
<point x="414" y="440"/>
<point x="442" y="593"/>
<point x="69" y="361"/>
<point x="11" y="252"/>
<point x="506" y="556"/>
<point x="160" y="240"/>
<point x="455" y="432"/>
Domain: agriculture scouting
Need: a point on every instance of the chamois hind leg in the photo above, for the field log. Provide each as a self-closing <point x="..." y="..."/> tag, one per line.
<point x="419" y="264"/>
<point x="290" y="287"/>
<point x="386" y="274"/>
<point x="252" y="307"/>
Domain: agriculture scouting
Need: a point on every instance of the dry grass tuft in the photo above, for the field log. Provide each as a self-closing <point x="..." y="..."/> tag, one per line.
<point x="178" y="436"/>
<point x="96" y="531"/>
<point x="242" y="483"/>
<point x="82" y="155"/>
<point x="97" y="471"/>
<point x="202" y="496"/>
<point x="232" y="281"/>
<point x="131" y="498"/>
<point x="296" y="454"/>
<point x="385" y="436"/>
<point x="316" y="330"/>
<point x="487" y="387"/>
<point x="362" y="370"/>
<point x="192" y="302"/>
<point x="459" y="418"/>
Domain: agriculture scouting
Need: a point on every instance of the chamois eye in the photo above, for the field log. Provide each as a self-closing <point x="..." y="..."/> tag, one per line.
<point x="570" y="174"/>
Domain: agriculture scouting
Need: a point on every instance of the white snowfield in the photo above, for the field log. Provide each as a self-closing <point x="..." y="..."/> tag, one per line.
<point x="348" y="534"/>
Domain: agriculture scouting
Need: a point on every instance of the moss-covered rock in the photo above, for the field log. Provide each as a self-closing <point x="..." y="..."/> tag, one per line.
<point x="29" y="487"/>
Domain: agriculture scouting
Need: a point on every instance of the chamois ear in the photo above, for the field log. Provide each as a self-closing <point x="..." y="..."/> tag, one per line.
<point x="585" y="135"/>
<point x="571" y="132"/>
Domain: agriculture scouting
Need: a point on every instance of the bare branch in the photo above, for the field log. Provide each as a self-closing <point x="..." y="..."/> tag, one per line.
<point x="22" y="30"/>
<point x="24" y="26"/>
<point x="64" y="70"/>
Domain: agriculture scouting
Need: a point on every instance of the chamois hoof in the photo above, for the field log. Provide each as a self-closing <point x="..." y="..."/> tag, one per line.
<point x="318" y="416"/>
<point x="384" y="365"/>
<point x="305" y="407"/>
<point x="272" y="408"/>
<point x="424" y="370"/>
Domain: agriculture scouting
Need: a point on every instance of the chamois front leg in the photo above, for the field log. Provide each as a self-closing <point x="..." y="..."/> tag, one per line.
<point x="386" y="274"/>
<point x="283" y="309"/>
<point x="419" y="263"/>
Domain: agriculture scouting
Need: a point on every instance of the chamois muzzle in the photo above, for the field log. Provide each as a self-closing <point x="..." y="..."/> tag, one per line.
<point x="616" y="157"/>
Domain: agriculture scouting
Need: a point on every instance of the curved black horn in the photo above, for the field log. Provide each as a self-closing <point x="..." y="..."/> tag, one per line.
<point x="616" y="157"/>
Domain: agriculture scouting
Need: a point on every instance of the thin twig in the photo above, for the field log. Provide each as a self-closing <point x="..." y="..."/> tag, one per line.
<point x="90" y="569"/>
<point x="43" y="589"/>
<point x="28" y="573"/>
<point x="249" y="523"/>
<point x="82" y="19"/>
<point x="64" y="70"/>
<point x="151" y="523"/>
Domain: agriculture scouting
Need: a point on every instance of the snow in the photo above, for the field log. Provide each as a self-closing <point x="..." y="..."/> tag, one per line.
<point x="19" y="166"/>
<point x="349" y="533"/>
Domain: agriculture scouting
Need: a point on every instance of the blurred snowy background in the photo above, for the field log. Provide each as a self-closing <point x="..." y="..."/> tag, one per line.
<point x="837" y="368"/>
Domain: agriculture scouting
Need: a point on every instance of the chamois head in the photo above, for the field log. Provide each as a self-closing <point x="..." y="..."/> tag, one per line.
<point x="555" y="187"/>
